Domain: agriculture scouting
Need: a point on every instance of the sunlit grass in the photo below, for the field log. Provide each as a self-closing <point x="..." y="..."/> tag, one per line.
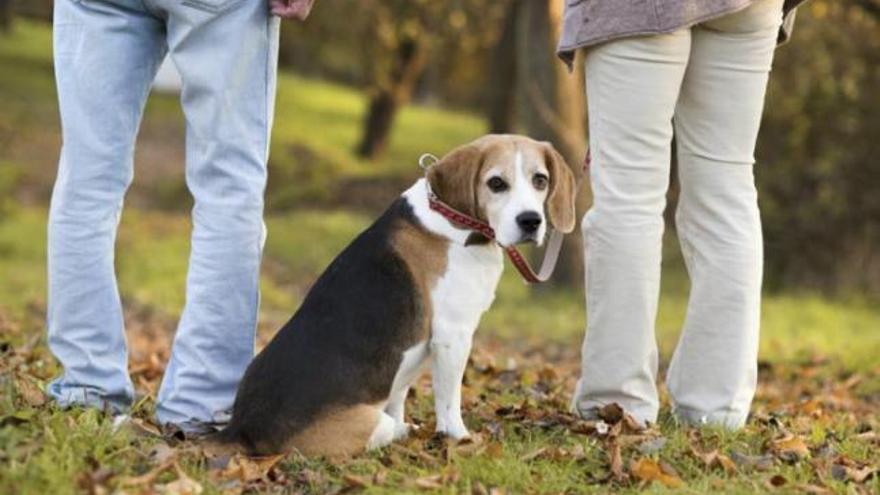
<point x="153" y="250"/>
<point x="328" y="119"/>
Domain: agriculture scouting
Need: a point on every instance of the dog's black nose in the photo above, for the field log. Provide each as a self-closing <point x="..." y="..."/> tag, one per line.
<point x="529" y="221"/>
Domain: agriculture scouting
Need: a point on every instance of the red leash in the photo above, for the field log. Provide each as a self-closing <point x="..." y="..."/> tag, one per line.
<point x="554" y="244"/>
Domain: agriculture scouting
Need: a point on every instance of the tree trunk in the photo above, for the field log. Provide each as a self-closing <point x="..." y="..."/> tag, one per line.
<point x="408" y="66"/>
<point x="501" y="94"/>
<point x="5" y="16"/>
<point x="553" y="107"/>
<point x="377" y="126"/>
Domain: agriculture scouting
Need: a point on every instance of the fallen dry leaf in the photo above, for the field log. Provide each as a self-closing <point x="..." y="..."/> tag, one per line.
<point x="578" y="452"/>
<point x="846" y="470"/>
<point x="470" y="445"/>
<point x="94" y="481"/>
<point x="705" y="457"/>
<point x="611" y="413"/>
<point x="355" y="481"/>
<point x="148" y="477"/>
<point x="715" y="459"/>
<point x="380" y="477"/>
<point x="533" y="455"/>
<point x="649" y="471"/>
<point x="183" y="485"/>
<point x="142" y="428"/>
<point x="869" y="436"/>
<point x="162" y="453"/>
<point x="813" y="489"/>
<point x="632" y="424"/>
<point x="495" y="450"/>
<point x="309" y="477"/>
<point x="852" y="381"/>
<point x="430" y="482"/>
<point x="757" y="462"/>
<point x="726" y="464"/>
<point x="246" y="469"/>
<point x="30" y="392"/>
<point x="776" y="481"/>
<point x="585" y="427"/>
<point x="417" y="454"/>
<point x="548" y="373"/>
<point x="615" y="462"/>
<point x="478" y="488"/>
<point x="790" y="448"/>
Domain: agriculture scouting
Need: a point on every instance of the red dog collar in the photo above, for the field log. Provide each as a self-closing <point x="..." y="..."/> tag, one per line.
<point x="554" y="244"/>
<point x="481" y="227"/>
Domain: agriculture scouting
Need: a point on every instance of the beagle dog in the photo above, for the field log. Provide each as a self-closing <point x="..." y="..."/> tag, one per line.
<point x="408" y="290"/>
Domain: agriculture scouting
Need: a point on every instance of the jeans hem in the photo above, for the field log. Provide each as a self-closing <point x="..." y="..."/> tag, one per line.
<point x="70" y="397"/>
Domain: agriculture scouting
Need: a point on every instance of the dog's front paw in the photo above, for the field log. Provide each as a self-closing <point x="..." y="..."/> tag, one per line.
<point x="455" y="430"/>
<point x="401" y="430"/>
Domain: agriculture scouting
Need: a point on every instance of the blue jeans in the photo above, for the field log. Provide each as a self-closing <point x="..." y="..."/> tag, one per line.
<point x="107" y="53"/>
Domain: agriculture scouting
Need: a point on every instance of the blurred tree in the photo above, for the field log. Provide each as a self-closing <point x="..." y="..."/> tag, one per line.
<point x="872" y="7"/>
<point x="407" y="34"/>
<point x="818" y="168"/>
<point x="548" y="101"/>
<point x="399" y="56"/>
<point x="501" y="85"/>
<point x="818" y="172"/>
<point x="6" y="14"/>
<point x="34" y="9"/>
<point x="397" y="49"/>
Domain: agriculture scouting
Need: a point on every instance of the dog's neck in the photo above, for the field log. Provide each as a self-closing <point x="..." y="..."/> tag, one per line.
<point x="417" y="197"/>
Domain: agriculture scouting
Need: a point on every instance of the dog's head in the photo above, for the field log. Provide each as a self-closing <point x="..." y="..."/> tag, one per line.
<point x="514" y="183"/>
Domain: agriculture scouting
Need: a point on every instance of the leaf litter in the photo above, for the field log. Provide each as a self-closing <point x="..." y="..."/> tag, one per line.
<point x="807" y="417"/>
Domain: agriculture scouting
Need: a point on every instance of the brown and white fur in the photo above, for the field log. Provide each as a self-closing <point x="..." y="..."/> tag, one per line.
<point x="409" y="290"/>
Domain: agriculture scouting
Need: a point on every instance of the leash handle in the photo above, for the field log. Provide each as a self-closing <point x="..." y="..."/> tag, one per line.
<point x="551" y="257"/>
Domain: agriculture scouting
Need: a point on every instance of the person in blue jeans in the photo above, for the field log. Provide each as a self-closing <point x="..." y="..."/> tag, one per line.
<point x="106" y="54"/>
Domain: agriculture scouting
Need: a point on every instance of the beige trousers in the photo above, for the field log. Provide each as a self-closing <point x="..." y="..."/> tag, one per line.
<point x="706" y="83"/>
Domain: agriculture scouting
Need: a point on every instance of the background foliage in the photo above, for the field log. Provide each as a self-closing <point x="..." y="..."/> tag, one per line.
<point x="817" y="153"/>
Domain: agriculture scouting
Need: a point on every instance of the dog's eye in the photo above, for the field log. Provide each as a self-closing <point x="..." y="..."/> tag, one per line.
<point x="497" y="184"/>
<point x="540" y="181"/>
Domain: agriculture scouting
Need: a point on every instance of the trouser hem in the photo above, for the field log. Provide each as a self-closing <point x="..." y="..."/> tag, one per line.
<point x="732" y="420"/>
<point x="86" y="397"/>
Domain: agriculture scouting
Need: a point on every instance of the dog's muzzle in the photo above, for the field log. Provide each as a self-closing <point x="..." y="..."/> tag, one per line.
<point x="529" y="222"/>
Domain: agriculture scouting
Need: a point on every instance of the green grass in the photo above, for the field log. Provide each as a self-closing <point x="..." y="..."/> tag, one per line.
<point x="152" y="254"/>
<point x="812" y="347"/>
<point x="47" y="448"/>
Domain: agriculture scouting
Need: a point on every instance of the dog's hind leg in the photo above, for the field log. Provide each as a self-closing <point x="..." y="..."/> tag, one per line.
<point x="395" y="409"/>
<point x="411" y="366"/>
<point x="343" y="431"/>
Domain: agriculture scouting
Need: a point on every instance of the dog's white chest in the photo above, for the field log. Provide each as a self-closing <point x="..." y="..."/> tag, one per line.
<point x="467" y="288"/>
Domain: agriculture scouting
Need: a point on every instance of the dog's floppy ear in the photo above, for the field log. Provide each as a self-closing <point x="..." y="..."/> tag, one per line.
<point x="454" y="178"/>
<point x="560" y="199"/>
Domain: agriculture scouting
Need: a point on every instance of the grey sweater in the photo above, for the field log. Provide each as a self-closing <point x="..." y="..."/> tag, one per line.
<point x="588" y="22"/>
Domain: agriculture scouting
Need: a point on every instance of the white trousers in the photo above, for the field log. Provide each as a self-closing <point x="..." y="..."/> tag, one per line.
<point x="706" y="83"/>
